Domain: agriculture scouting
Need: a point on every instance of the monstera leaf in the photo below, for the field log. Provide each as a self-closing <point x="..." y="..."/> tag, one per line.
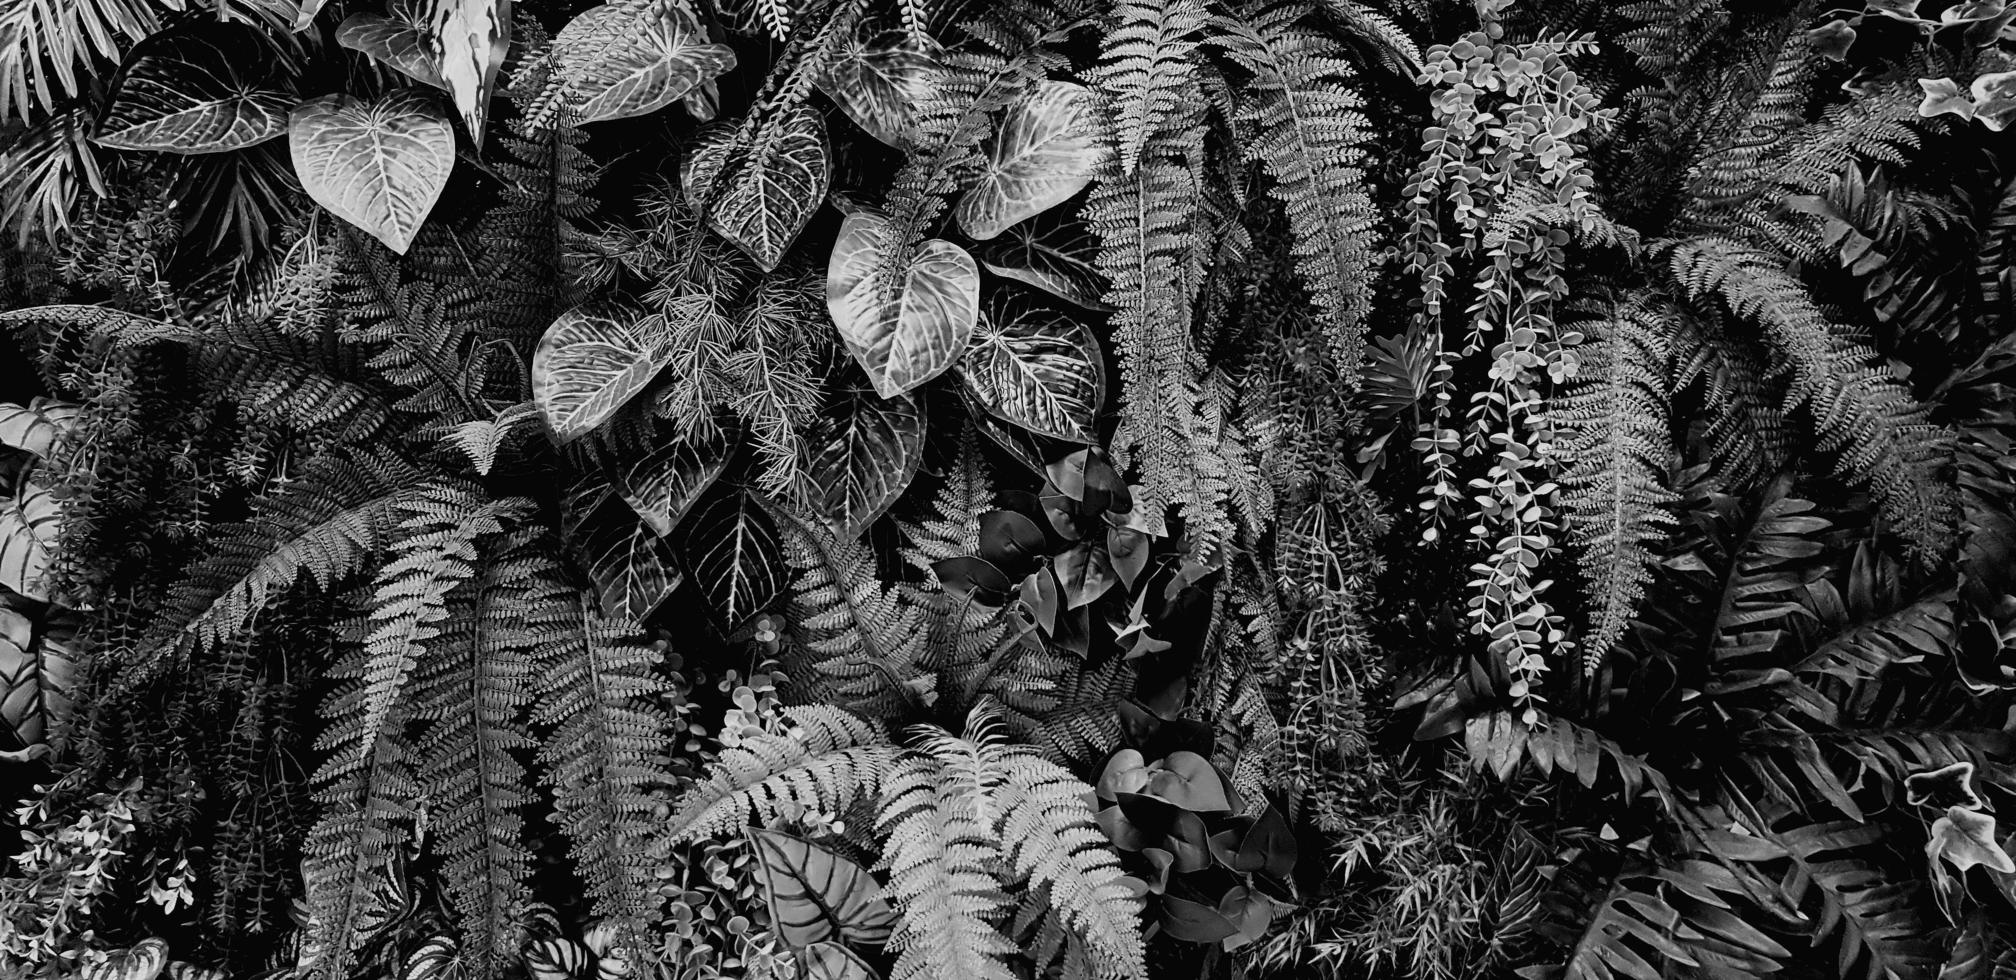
<point x="206" y="88"/>
<point x="28" y="524"/>
<point x="1055" y="259"/>
<point x="379" y="165"/>
<point x="1040" y="370"/>
<point x="396" y="39"/>
<point x="760" y="197"/>
<point x="734" y="554"/>
<point x="617" y="63"/>
<point x="471" y="38"/>
<point x="881" y="84"/>
<point x="593" y="360"/>
<point x="1046" y="151"/>
<point x="37" y="673"/>
<point x="36" y="426"/>
<point x="816" y="895"/>
<point x="664" y="484"/>
<point x="905" y="315"/>
<point x="860" y="459"/>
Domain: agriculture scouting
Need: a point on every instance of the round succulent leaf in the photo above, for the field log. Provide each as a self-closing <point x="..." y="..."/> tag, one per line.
<point x="760" y="196"/>
<point x="906" y="315"/>
<point x="594" y="359"/>
<point x="379" y="165"/>
<point x="617" y="61"/>
<point x="1040" y="370"/>
<point x="1057" y="260"/>
<point x="881" y="83"/>
<point x="859" y="459"/>
<point x="1046" y="150"/>
<point x="816" y="895"/>
<point x="396" y="39"/>
<point x="204" y="88"/>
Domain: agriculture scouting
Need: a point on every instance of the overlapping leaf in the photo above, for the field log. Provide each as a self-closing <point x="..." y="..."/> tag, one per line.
<point x="732" y="550"/>
<point x="860" y="458"/>
<point x="882" y="83"/>
<point x="36" y="426"/>
<point x="1058" y="260"/>
<point x="759" y="197"/>
<point x="470" y="39"/>
<point x="832" y="961"/>
<point x="37" y="674"/>
<point x="28" y="526"/>
<point x="206" y="88"/>
<point x="618" y="63"/>
<point x="905" y="315"/>
<point x="631" y="566"/>
<point x="593" y="360"/>
<point x="664" y="484"/>
<point x="1046" y="150"/>
<point x="816" y="895"/>
<point x="1038" y="369"/>
<point x="379" y="165"/>
<point x="396" y="39"/>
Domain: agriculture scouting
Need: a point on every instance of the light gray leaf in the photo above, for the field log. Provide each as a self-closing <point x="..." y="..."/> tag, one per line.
<point x="592" y="361"/>
<point x="905" y="316"/>
<point x="1040" y="370"/>
<point x="396" y="39"/>
<point x="760" y="197"/>
<point x="882" y="84"/>
<point x="1046" y="150"/>
<point x="619" y="63"/>
<point x="379" y="165"/>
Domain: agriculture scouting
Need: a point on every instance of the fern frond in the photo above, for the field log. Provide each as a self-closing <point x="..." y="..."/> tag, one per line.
<point x="940" y="846"/>
<point x="831" y="758"/>
<point x="1872" y="912"/>
<point x="952" y="528"/>
<point x="1146" y="66"/>
<point x="860" y="636"/>
<point x="1053" y="840"/>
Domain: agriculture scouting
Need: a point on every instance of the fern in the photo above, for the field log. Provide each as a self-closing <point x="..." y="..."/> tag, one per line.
<point x="1053" y="840"/>
<point x="1869" y="911"/>
<point x="831" y="758"/>
<point x="1147" y="63"/>
<point x="863" y="640"/>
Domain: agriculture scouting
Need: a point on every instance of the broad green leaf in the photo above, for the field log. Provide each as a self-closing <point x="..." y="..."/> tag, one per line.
<point x="1040" y="370"/>
<point x="593" y="360"/>
<point x="1046" y="150"/>
<point x="204" y="88"/>
<point x="470" y="39"/>
<point x="29" y="522"/>
<point x="882" y="83"/>
<point x="631" y="566"/>
<point x="144" y="961"/>
<point x="860" y="458"/>
<point x="379" y="165"/>
<point x="36" y="426"/>
<point x="832" y="961"/>
<point x="905" y="315"/>
<point x="1086" y="573"/>
<point x="38" y="672"/>
<point x="396" y="39"/>
<point x="619" y="63"/>
<point x="664" y="484"/>
<point x="759" y="197"/>
<point x="816" y="895"/>
<point x="1057" y="260"/>
<point x="733" y="552"/>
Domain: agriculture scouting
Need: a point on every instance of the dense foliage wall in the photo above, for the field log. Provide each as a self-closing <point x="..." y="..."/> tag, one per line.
<point x="842" y="489"/>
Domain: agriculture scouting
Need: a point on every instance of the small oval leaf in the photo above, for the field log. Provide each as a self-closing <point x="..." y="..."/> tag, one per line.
<point x="1046" y="150"/>
<point x="906" y="317"/>
<point x="617" y="63"/>
<point x="881" y="84"/>
<point x="203" y="88"/>
<point x="396" y="39"/>
<point x="860" y="458"/>
<point x="1040" y="370"/>
<point x="593" y="360"/>
<point x="379" y="165"/>
<point x="760" y="197"/>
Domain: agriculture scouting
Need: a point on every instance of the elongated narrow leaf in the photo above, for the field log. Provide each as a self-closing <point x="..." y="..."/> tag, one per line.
<point x="204" y="88"/>
<point x="396" y="39"/>
<point x="905" y="316"/>
<point x="816" y="895"/>
<point x="1040" y="370"/>
<point x="1056" y="259"/>
<point x="733" y="552"/>
<point x="760" y="197"/>
<point x="663" y="485"/>
<point x="1046" y="151"/>
<point x="379" y="165"/>
<point x="620" y="63"/>
<point x="881" y="85"/>
<point x="470" y="38"/>
<point x="28" y="526"/>
<point x="36" y="426"/>
<point x="593" y="360"/>
<point x="37" y="673"/>
<point x="861" y="457"/>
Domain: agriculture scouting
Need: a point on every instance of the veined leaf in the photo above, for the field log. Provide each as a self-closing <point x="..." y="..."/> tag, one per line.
<point x="733" y="551"/>
<point x="1040" y="370"/>
<point x="665" y="484"/>
<point x="206" y="88"/>
<point x="861" y="458"/>
<point x="144" y="961"/>
<point x="881" y="84"/>
<point x="832" y="961"/>
<point x="379" y="165"/>
<point x="469" y="40"/>
<point x="37" y="674"/>
<point x="592" y="361"/>
<point x="631" y="566"/>
<point x="760" y="197"/>
<point x="28" y="525"/>
<point x="904" y="317"/>
<point x="36" y="426"/>
<point x="816" y="895"/>
<point x="619" y="63"/>
<point x="1047" y="149"/>
<point x="1057" y="260"/>
<point x="396" y="39"/>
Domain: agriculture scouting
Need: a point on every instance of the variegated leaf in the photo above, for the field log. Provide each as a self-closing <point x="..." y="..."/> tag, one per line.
<point x="203" y="88"/>
<point x="631" y="566"/>
<point x="1057" y="260"/>
<point x="665" y="484"/>
<point x="144" y="961"/>
<point x="759" y="197"/>
<point x="731" y="547"/>
<point x="36" y="426"/>
<point x="396" y="39"/>
<point x="379" y="165"/>
<point x="861" y="457"/>
<point x="38" y="670"/>
<point x="816" y="895"/>
<point x="29" y="522"/>
<point x="882" y="84"/>
<point x="469" y="40"/>
<point x="618" y="63"/>
<point x="1038" y="369"/>
<point x="436" y="958"/>
<point x="832" y="961"/>
<point x="592" y="361"/>
<point x="1046" y="150"/>
<point x="905" y="315"/>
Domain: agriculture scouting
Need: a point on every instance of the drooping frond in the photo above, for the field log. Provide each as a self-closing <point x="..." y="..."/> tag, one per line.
<point x="858" y="634"/>
<point x="1053" y="840"/>
<point x="830" y="758"/>
<point x="1146" y="66"/>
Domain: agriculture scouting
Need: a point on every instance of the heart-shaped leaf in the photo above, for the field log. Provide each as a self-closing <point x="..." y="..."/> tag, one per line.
<point x="593" y="360"/>
<point x="665" y="483"/>
<point x="1040" y="370"/>
<point x="204" y="88"/>
<point x="832" y="961"/>
<point x="859" y="459"/>
<point x="816" y="895"/>
<point x="379" y="165"/>
<point x="906" y="316"/>
<point x="29" y="522"/>
<point x="881" y="84"/>
<point x="1046" y="150"/>
<point x="1009" y="539"/>
<point x="973" y="576"/>
<point x="733" y="553"/>
<point x="38" y="670"/>
<point x="470" y="39"/>
<point x="396" y="39"/>
<point x="618" y="61"/>
<point x="759" y="197"/>
<point x="1057" y="259"/>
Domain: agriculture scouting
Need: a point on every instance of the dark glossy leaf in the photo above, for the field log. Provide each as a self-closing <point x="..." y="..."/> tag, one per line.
<point x="1057" y="259"/>
<point x="1086" y="573"/>
<point x="662" y="486"/>
<point x="1046" y="150"/>
<point x="882" y="83"/>
<point x="1040" y="370"/>
<point x="1190" y="781"/>
<point x="1128" y="550"/>
<point x="379" y="165"/>
<point x="396" y="39"/>
<point x="1192" y="922"/>
<point x="1088" y="477"/>
<point x="204" y="88"/>
<point x="976" y="576"/>
<point x="860" y="458"/>
<point x="472" y="37"/>
<point x="1269" y="845"/>
<point x="593" y="360"/>
<point x="831" y="961"/>
<point x="760" y="197"/>
<point x="905" y="314"/>
<point x="631" y="566"/>
<point x="734" y="554"/>
<point x="816" y="895"/>
<point x="1009" y="539"/>
<point x="1020" y="444"/>
<point x="620" y="61"/>
<point x="1044" y="598"/>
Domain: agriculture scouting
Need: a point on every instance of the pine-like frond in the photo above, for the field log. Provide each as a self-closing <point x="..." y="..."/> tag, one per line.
<point x="830" y="758"/>
<point x="1054" y="842"/>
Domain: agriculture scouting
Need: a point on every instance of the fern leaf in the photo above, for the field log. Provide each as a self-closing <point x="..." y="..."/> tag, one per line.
<point x="1146" y="66"/>
<point x="939" y="848"/>
<point x="861" y="637"/>
<point x="831" y="758"/>
<point x="1053" y="840"/>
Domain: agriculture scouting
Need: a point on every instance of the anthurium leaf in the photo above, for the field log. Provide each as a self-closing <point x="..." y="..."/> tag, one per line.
<point x="832" y="961"/>
<point x="470" y="39"/>
<point x="1125" y="772"/>
<point x="881" y="84"/>
<point x="1009" y="539"/>
<point x="976" y="576"/>
<point x="816" y="895"/>
<point x="1057" y="259"/>
<point x="29" y="521"/>
<point x="860" y="456"/>
<point x="1193" y="922"/>
<point x="734" y="554"/>
<point x="905" y="315"/>
<point x="1191" y="782"/>
<point x="396" y="39"/>
<point x="1037" y="369"/>
<point x="1045" y="600"/>
<point x="38" y="671"/>
<point x="1045" y="151"/>
<point x="1270" y="845"/>
<point x="664" y="484"/>
<point x="202" y="88"/>
<point x="759" y="197"/>
<point x="593" y="360"/>
<point x="379" y="165"/>
<point x="1086" y="572"/>
<point x="36" y="426"/>
<point x="618" y="61"/>
<point x="1128" y="549"/>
